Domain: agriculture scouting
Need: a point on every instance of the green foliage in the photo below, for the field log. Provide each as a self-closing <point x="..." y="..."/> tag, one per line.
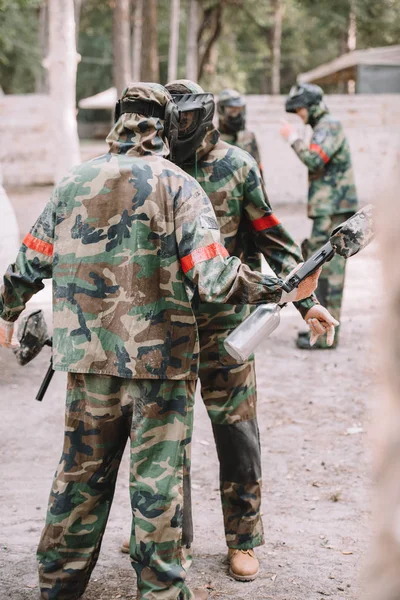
<point x="313" y="32"/>
<point x="95" y="47"/>
<point x="19" y="49"/>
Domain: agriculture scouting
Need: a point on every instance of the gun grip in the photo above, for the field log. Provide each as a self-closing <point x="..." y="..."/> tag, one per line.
<point x="46" y="382"/>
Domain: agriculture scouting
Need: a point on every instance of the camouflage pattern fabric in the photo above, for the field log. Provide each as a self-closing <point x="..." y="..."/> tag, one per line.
<point x="246" y="140"/>
<point x="331" y="180"/>
<point x="229" y="393"/>
<point x="331" y="281"/>
<point x="355" y="233"/>
<point x="102" y="413"/>
<point x="232" y="181"/>
<point x="127" y="238"/>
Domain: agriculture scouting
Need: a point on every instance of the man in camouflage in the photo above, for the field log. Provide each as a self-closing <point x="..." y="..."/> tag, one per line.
<point x="232" y="181"/>
<point x="332" y="196"/>
<point x="127" y="238"/>
<point x="231" y="107"/>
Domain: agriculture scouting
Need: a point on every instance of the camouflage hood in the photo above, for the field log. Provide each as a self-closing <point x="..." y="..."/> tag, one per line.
<point x="316" y="112"/>
<point x="211" y="138"/>
<point x="137" y="134"/>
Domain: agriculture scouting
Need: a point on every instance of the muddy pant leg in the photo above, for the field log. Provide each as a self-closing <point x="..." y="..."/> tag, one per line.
<point x="229" y="394"/>
<point x="331" y="281"/>
<point x="96" y="429"/>
<point x="159" y="487"/>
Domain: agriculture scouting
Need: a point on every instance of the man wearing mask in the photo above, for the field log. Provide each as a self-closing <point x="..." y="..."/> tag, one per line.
<point x="231" y="108"/>
<point x="127" y="238"/>
<point x="332" y="196"/>
<point x="231" y="179"/>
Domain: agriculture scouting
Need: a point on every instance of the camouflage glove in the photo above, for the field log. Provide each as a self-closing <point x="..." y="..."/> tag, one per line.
<point x="321" y="321"/>
<point x="305" y="288"/>
<point x="7" y="338"/>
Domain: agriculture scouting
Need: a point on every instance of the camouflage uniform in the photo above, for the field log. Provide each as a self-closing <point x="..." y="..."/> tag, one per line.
<point x="332" y="199"/>
<point x="127" y="238"/>
<point x="244" y="139"/>
<point x="232" y="181"/>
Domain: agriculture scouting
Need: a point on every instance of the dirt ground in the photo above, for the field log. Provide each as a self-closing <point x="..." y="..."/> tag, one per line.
<point x="314" y="419"/>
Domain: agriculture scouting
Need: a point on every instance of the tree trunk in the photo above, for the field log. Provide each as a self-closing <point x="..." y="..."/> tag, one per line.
<point x="191" y="47"/>
<point x="137" y="40"/>
<point x="150" y="66"/>
<point x="209" y="33"/>
<point x="174" y="41"/>
<point x="278" y="10"/>
<point x="42" y="79"/>
<point x="78" y="8"/>
<point x="121" y="45"/>
<point x="62" y="65"/>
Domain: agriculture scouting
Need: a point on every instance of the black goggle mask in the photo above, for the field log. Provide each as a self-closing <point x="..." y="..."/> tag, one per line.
<point x="196" y="112"/>
<point x="168" y="113"/>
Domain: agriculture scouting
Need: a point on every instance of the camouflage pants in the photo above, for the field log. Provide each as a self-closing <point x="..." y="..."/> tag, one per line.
<point x="229" y="393"/>
<point x="331" y="281"/>
<point x="101" y="413"/>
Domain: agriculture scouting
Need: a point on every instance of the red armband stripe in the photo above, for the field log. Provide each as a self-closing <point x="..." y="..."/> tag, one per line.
<point x="265" y="222"/>
<point x="318" y="150"/>
<point x="39" y="245"/>
<point x="201" y="254"/>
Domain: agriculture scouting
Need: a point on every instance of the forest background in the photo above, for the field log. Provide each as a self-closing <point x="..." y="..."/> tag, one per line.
<point x="255" y="46"/>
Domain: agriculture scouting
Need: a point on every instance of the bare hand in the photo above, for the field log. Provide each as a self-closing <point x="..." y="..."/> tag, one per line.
<point x="286" y="129"/>
<point x="7" y="339"/>
<point x="320" y="322"/>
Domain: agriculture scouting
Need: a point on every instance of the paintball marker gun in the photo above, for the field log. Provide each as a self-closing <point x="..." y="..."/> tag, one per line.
<point x="32" y="336"/>
<point x="346" y="240"/>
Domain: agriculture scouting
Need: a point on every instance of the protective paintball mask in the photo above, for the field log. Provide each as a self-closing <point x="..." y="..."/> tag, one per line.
<point x="196" y="112"/>
<point x="234" y="118"/>
<point x="168" y="113"/>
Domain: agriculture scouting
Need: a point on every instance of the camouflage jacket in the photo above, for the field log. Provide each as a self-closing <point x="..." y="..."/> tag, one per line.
<point x="232" y="181"/>
<point x="246" y="140"/>
<point x="127" y="238"/>
<point x="331" y="180"/>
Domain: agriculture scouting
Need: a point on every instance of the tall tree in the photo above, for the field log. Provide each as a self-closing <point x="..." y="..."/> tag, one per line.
<point x="121" y="44"/>
<point x="191" y="47"/>
<point x="209" y="32"/>
<point x="42" y="82"/>
<point x="278" y="10"/>
<point x="137" y="39"/>
<point x="62" y="65"/>
<point x="150" y="70"/>
<point x="173" y="40"/>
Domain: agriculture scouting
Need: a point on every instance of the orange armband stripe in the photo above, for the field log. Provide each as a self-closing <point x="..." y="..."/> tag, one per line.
<point x="201" y="254"/>
<point x="265" y="222"/>
<point x="38" y="245"/>
<point x="318" y="150"/>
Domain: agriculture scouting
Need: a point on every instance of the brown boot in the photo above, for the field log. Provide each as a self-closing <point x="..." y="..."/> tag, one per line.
<point x="125" y="546"/>
<point x="200" y="594"/>
<point x="243" y="564"/>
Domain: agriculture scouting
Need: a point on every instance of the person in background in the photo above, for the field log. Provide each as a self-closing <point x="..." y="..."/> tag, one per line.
<point x="332" y="196"/>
